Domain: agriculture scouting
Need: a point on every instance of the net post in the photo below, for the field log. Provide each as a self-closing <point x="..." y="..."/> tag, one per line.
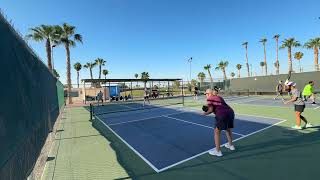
<point x="131" y="89"/>
<point x="182" y="91"/>
<point x="91" y="112"/>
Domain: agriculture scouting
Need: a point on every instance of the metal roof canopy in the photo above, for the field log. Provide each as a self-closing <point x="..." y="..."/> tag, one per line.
<point x="125" y="80"/>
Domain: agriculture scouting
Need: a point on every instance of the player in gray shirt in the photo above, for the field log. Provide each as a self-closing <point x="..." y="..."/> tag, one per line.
<point x="299" y="106"/>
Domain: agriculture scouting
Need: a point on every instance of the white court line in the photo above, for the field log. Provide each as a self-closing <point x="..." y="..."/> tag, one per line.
<point x="193" y="109"/>
<point x="137" y="120"/>
<point x="180" y="162"/>
<point x="261" y="116"/>
<point x="275" y="106"/>
<point x="249" y="100"/>
<point x="134" y="150"/>
<point x="126" y="106"/>
<point x="317" y="107"/>
<point x="177" y="119"/>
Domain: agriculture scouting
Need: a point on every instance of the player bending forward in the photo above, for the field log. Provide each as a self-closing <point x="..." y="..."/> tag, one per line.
<point x="299" y="106"/>
<point x="224" y="116"/>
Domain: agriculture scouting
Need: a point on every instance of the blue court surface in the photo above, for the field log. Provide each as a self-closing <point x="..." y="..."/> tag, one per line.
<point x="165" y="137"/>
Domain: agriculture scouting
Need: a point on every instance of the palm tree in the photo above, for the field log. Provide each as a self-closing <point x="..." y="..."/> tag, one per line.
<point x="77" y="66"/>
<point x="89" y="66"/>
<point x="136" y="76"/>
<point x="232" y="74"/>
<point x="222" y="66"/>
<point x="245" y="44"/>
<point x="262" y="64"/>
<point x="194" y="82"/>
<point x="315" y="45"/>
<point x="100" y="62"/>
<point x="105" y="73"/>
<point x="208" y="68"/>
<point x="239" y="66"/>
<point x="44" y="33"/>
<point x="289" y="43"/>
<point x="298" y="56"/>
<point x="145" y="76"/>
<point x="263" y="41"/>
<point x="277" y="64"/>
<point x="68" y="37"/>
<point x="201" y="77"/>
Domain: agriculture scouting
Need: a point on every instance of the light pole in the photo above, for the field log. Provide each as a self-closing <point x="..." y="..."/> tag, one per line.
<point x="190" y="61"/>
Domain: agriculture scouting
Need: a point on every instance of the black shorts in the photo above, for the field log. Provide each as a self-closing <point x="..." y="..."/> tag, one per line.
<point x="146" y="97"/>
<point x="224" y="122"/>
<point x="195" y="92"/>
<point x="299" y="108"/>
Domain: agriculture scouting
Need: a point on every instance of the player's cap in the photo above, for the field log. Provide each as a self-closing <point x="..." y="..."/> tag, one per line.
<point x="291" y="84"/>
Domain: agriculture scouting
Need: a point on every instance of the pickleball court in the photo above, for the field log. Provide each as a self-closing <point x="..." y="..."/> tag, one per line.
<point x="167" y="136"/>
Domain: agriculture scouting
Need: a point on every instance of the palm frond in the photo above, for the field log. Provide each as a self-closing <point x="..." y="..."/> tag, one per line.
<point x="78" y="37"/>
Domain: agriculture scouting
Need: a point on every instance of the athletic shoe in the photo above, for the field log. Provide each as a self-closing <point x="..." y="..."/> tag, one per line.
<point x="231" y="147"/>
<point x="296" y="127"/>
<point x="308" y="125"/>
<point x="214" y="152"/>
<point x="314" y="103"/>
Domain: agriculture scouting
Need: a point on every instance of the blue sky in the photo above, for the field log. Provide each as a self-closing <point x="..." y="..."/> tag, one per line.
<point x="158" y="36"/>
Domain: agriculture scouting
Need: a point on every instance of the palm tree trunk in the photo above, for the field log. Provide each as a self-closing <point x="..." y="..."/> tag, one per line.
<point x="224" y="74"/>
<point x="316" y="56"/>
<point x="300" y="66"/>
<point x="100" y="71"/>
<point x="265" y="60"/>
<point x="68" y="73"/>
<point x="78" y="78"/>
<point x="48" y="49"/>
<point x="211" y="80"/>
<point x="91" y="73"/>
<point x="289" y="60"/>
<point x="238" y="73"/>
<point x="277" y="51"/>
<point x="247" y="64"/>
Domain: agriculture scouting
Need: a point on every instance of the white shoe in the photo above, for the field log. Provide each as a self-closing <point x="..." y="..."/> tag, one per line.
<point x="296" y="127"/>
<point x="214" y="152"/>
<point x="231" y="147"/>
<point x="308" y="125"/>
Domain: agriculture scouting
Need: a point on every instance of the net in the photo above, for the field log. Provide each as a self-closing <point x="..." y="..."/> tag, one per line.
<point x="229" y="93"/>
<point x="133" y="105"/>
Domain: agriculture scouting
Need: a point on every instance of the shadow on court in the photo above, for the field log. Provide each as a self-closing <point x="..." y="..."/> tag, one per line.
<point x="274" y="153"/>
